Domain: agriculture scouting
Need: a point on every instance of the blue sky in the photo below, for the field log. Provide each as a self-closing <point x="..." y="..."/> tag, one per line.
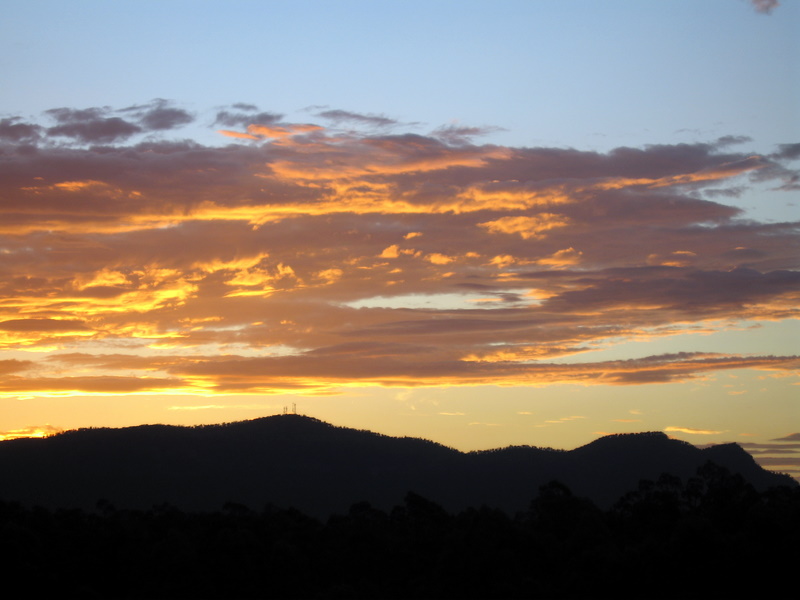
<point x="560" y="73"/>
<point x="705" y="94"/>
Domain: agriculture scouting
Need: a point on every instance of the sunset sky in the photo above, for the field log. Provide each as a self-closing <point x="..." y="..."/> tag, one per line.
<point x="482" y="223"/>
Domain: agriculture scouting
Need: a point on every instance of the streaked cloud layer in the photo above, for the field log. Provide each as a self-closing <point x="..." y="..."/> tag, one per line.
<point x="355" y="250"/>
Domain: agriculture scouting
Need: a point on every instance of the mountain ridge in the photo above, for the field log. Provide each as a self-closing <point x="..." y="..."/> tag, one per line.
<point x="320" y="468"/>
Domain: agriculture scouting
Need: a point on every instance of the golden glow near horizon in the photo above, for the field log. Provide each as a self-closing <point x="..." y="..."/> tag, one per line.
<point x="303" y="260"/>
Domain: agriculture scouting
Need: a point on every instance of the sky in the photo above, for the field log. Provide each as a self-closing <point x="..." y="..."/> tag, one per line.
<point x="482" y="223"/>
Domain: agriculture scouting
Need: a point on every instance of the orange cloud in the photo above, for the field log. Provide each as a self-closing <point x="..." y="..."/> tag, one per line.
<point x="367" y="365"/>
<point x="562" y="258"/>
<point x="284" y="262"/>
<point x="36" y="431"/>
<point x="439" y="259"/>
<point x="238" y="134"/>
<point x="526" y="227"/>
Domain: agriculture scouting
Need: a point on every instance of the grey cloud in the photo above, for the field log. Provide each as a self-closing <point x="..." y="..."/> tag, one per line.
<point x="630" y="206"/>
<point x="77" y="115"/>
<point x="345" y="115"/>
<point x="534" y="166"/>
<point x="99" y="131"/>
<point x="732" y="140"/>
<point x="733" y="192"/>
<point x="12" y="129"/>
<point x="787" y="152"/>
<point x="244" y="115"/>
<point x="683" y="289"/>
<point x="162" y="118"/>
<point x="455" y="134"/>
<point x="789" y="178"/>
<point x="90" y="125"/>
<point x="99" y="125"/>
<point x="159" y="115"/>
<point x="745" y="254"/>
<point x="660" y="160"/>
<point x="755" y="449"/>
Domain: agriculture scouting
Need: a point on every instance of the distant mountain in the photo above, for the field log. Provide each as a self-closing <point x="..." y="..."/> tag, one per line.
<point x="320" y="469"/>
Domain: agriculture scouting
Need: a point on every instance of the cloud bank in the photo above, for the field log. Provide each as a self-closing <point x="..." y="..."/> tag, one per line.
<point x="310" y="257"/>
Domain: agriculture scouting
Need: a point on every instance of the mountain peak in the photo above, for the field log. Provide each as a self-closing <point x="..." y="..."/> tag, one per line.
<point x="631" y="440"/>
<point x="319" y="468"/>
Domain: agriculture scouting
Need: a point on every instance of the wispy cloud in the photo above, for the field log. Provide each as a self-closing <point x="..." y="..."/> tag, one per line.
<point x="765" y="6"/>
<point x="692" y="431"/>
<point x="346" y="116"/>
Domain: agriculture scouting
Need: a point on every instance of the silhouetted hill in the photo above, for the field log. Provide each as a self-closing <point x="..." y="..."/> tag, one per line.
<point x="320" y="469"/>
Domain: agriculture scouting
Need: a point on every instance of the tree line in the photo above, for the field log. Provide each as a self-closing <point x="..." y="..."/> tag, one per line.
<point x="712" y="535"/>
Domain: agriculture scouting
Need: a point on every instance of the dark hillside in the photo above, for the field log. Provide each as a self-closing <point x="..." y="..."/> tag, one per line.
<point x="301" y="462"/>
